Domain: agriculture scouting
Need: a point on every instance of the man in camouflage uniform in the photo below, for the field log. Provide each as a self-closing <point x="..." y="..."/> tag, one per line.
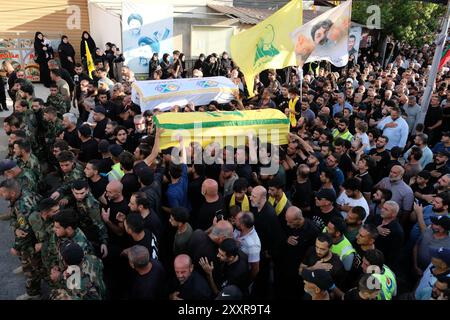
<point x="29" y="122"/>
<point x="23" y="203"/>
<point x="65" y="228"/>
<point x="56" y="100"/>
<point x="26" y="179"/>
<point x="25" y="159"/>
<point x="90" y="221"/>
<point x="82" y="278"/>
<point x="53" y="126"/>
<point x="42" y="223"/>
<point x="72" y="171"/>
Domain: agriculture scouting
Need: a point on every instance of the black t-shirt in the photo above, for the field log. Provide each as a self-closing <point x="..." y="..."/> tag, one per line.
<point x="88" y="151"/>
<point x="200" y="245"/>
<point x="302" y="194"/>
<point x="153" y="223"/>
<point x="269" y="229"/>
<point x="99" y="130"/>
<point x="116" y="207"/>
<point x="366" y="182"/>
<point x="149" y="241"/>
<point x="306" y="237"/>
<point x="337" y="272"/>
<point x="378" y="172"/>
<point x="321" y="219"/>
<point x="149" y="286"/>
<point x="353" y="294"/>
<point x="204" y="219"/>
<point x="130" y="184"/>
<point x="345" y="164"/>
<point x="98" y="188"/>
<point x="432" y="167"/>
<point x="72" y="138"/>
<point x="237" y="273"/>
<point x="433" y="116"/>
<point x="427" y="190"/>
<point x="244" y="171"/>
<point x="105" y="165"/>
<point x="195" y="193"/>
<point x="314" y="177"/>
<point x="195" y="288"/>
<point x="212" y="171"/>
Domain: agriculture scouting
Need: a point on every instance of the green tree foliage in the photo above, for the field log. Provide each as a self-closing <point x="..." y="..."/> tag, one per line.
<point x="415" y="22"/>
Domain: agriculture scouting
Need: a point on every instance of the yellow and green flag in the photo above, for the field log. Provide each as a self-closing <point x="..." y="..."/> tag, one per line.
<point x="268" y="45"/>
<point x="89" y="61"/>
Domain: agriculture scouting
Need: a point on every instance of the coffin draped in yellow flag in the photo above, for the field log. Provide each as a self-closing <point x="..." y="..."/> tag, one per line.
<point x="224" y="127"/>
<point x="268" y="45"/>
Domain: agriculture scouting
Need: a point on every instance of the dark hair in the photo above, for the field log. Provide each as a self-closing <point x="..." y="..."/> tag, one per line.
<point x="339" y="224"/>
<point x="66" y="155"/>
<point x="363" y="283"/>
<point x="126" y="160"/>
<point x="325" y="237"/>
<point x="372" y="230"/>
<point x="119" y="128"/>
<point x="80" y="184"/>
<point x="359" y="211"/>
<point x="62" y="145"/>
<point x="46" y="204"/>
<point x="67" y="218"/>
<point x="95" y="163"/>
<point x="247" y="219"/>
<point x="240" y="185"/>
<point x="180" y="214"/>
<point x="23" y="144"/>
<point x="326" y="24"/>
<point x="102" y="92"/>
<point x="387" y="194"/>
<point x="27" y="88"/>
<point x="175" y="170"/>
<point x="39" y="100"/>
<point x="416" y="153"/>
<point x="142" y="199"/>
<point x="12" y="120"/>
<point x="50" y="110"/>
<point x="200" y="169"/>
<point x="353" y="184"/>
<point x="230" y="247"/>
<point x="276" y="183"/>
<point x="344" y="120"/>
<point x="56" y="72"/>
<point x="135" y="222"/>
<point x="445" y="196"/>
<point x="10" y="184"/>
<point x="375" y="257"/>
<point x="329" y="173"/>
<point x="144" y="149"/>
<point x="20" y="134"/>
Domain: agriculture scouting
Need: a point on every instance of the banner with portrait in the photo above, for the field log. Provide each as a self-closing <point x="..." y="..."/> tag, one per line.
<point x="325" y="37"/>
<point x="147" y="28"/>
<point x="354" y="40"/>
<point x="20" y="53"/>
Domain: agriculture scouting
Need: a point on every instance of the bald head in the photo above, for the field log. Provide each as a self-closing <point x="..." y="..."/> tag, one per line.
<point x="182" y="261"/>
<point x="396" y="173"/>
<point x="210" y="188"/>
<point x="183" y="267"/>
<point x="221" y="231"/>
<point x="294" y="217"/>
<point x="258" y="197"/>
<point x="114" y="190"/>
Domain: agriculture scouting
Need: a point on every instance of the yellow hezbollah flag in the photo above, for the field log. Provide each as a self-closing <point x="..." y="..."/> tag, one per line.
<point x="267" y="45"/>
<point x="89" y="61"/>
<point x="224" y="127"/>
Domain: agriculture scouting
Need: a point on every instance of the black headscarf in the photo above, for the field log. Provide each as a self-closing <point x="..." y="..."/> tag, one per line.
<point x="90" y="43"/>
<point x="38" y="45"/>
<point x="66" y="49"/>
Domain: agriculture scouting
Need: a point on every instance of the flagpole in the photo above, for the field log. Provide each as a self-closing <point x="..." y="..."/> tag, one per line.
<point x="432" y="74"/>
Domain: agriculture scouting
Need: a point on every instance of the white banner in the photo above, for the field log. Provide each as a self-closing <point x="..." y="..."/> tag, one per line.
<point x="325" y="37"/>
<point x="146" y="29"/>
<point x="164" y="94"/>
<point x="354" y="39"/>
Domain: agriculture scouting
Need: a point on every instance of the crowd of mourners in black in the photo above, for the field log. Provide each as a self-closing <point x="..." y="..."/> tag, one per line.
<point x="358" y="208"/>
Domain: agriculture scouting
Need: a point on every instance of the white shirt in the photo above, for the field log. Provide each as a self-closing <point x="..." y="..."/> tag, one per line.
<point x="343" y="199"/>
<point x="249" y="244"/>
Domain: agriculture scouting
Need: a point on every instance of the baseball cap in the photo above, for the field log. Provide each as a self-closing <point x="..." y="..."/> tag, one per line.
<point x="103" y="146"/>
<point x="230" y="292"/>
<point x="320" y="278"/>
<point x="72" y="253"/>
<point x="441" y="253"/>
<point x="7" y="164"/>
<point x="99" y="109"/>
<point x="115" y="150"/>
<point x="326" y="194"/>
<point x="442" y="221"/>
<point x="444" y="152"/>
<point x="228" y="167"/>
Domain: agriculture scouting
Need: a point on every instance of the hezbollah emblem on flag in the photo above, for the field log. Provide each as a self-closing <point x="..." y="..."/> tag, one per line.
<point x="265" y="47"/>
<point x="169" y="87"/>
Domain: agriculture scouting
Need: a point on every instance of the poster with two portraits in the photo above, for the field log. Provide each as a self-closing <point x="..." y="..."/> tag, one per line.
<point x="147" y="28"/>
<point x="328" y="37"/>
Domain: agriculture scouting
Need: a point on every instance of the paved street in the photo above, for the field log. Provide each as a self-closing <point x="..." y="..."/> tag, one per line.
<point x="11" y="285"/>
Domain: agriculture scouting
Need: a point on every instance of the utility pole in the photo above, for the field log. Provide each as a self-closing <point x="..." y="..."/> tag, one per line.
<point x="432" y="74"/>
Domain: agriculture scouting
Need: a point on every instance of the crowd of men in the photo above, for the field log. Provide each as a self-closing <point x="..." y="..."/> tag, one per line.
<point x="357" y="210"/>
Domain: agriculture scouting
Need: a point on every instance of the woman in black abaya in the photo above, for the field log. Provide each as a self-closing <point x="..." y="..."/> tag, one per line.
<point x="42" y="57"/>
<point x="66" y="54"/>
